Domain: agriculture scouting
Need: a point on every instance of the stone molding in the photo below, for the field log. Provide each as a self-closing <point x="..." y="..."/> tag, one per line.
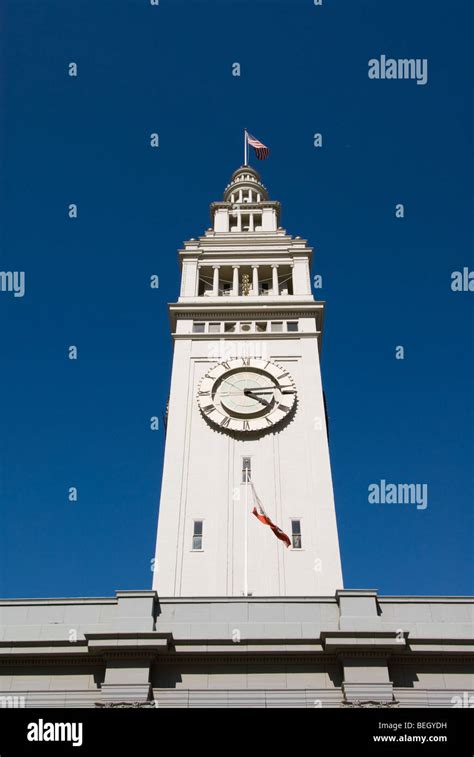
<point x="120" y="705"/>
<point x="369" y="703"/>
<point x="367" y="692"/>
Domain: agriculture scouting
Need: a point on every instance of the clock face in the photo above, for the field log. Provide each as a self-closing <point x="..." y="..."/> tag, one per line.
<point x="246" y="394"/>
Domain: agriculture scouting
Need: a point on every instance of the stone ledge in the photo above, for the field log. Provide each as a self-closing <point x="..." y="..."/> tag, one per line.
<point x="333" y="641"/>
<point x="126" y="692"/>
<point x="368" y="692"/>
<point x="153" y="642"/>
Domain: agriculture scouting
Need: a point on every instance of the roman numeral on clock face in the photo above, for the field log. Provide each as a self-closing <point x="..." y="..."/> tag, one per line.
<point x="246" y="361"/>
<point x="246" y="426"/>
<point x="208" y="409"/>
<point x="284" y="408"/>
<point x="224" y="422"/>
<point x="204" y="394"/>
<point x="226" y="365"/>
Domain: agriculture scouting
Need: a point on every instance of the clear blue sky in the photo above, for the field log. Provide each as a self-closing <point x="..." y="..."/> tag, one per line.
<point x="167" y="69"/>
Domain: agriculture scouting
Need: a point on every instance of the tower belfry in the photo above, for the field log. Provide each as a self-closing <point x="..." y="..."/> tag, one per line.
<point x="246" y="413"/>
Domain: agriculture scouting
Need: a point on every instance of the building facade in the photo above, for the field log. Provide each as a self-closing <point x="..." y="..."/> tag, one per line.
<point x="354" y="649"/>
<point x="236" y="618"/>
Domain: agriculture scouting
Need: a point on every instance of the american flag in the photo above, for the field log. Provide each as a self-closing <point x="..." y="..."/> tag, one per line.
<point x="261" y="150"/>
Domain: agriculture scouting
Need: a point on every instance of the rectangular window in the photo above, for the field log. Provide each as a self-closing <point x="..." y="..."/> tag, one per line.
<point x="261" y="326"/>
<point x="292" y="325"/>
<point x="229" y="327"/>
<point x="214" y="328"/>
<point x="197" y="534"/>
<point x="198" y="328"/>
<point x="296" y="534"/>
<point x="277" y="325"/>
<point x="246" y="469"/>
<point x="264" y="287"/>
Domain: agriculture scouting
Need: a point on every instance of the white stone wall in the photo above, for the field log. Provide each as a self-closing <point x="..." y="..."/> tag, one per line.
<point x="202" y="480"/>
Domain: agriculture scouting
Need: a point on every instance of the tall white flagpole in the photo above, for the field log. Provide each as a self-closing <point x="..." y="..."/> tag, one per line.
<point x="245" y="148"/>
<point x="246" y="567"/>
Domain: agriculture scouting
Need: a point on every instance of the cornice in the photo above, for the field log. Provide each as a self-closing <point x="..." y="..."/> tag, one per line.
<point x="248" y="658"/>
<point x="407" y="658"/>
<point x="390" y="599"/>
<point x="416" y="599"/>
<point x="187" y="312"/>
<point x="244" y="205"/>
<point x="248" y="600"/>
<point x="120" y="593"/>
<point x="243" y="240"/>
<point x="59" y="601"/>
<point x="174" y="656"/>
<point x="300" y="302"/>
<point x="46" y="658"/>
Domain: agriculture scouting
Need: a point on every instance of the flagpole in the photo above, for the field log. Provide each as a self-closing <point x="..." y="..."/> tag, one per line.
<point x="246" y="567"/>
<point x="245" y="148"/>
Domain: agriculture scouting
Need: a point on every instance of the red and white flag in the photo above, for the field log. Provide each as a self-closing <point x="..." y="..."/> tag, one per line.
<point x="260" y="513"/>
<point x="261" y="150"/>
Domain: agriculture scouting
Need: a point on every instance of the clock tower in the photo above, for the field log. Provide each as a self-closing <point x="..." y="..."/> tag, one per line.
<point x="246" y="418"/>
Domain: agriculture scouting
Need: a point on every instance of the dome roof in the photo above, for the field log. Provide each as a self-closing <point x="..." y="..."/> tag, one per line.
<point x="245" y="177"/>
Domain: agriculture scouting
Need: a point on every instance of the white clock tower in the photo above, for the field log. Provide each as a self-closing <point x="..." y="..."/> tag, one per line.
<point x="246" y="414"/>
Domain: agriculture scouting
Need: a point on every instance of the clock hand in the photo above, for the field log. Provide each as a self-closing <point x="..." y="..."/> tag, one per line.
<point x="260" y="399"/>
<point x="229" y="394"/>
<point x="277" y="386"/>
<point x="240" y="391"/>
<point x="235" y="387"/>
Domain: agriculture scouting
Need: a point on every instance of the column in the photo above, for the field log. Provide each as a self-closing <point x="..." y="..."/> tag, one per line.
<point x="275" y="280"/>
<point x="251" y="226"/>
<point x="127" y="674"/>
<point x="215" y="282"/>
<point x="364" y="648"/>
<point x="198" y="279"/>
<point x="235" y="280"/>
<point x="300" y="275"/>
<point x="255" y="280"/>
<point x="126" y="680"/>
<point x="189" y="278"/>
